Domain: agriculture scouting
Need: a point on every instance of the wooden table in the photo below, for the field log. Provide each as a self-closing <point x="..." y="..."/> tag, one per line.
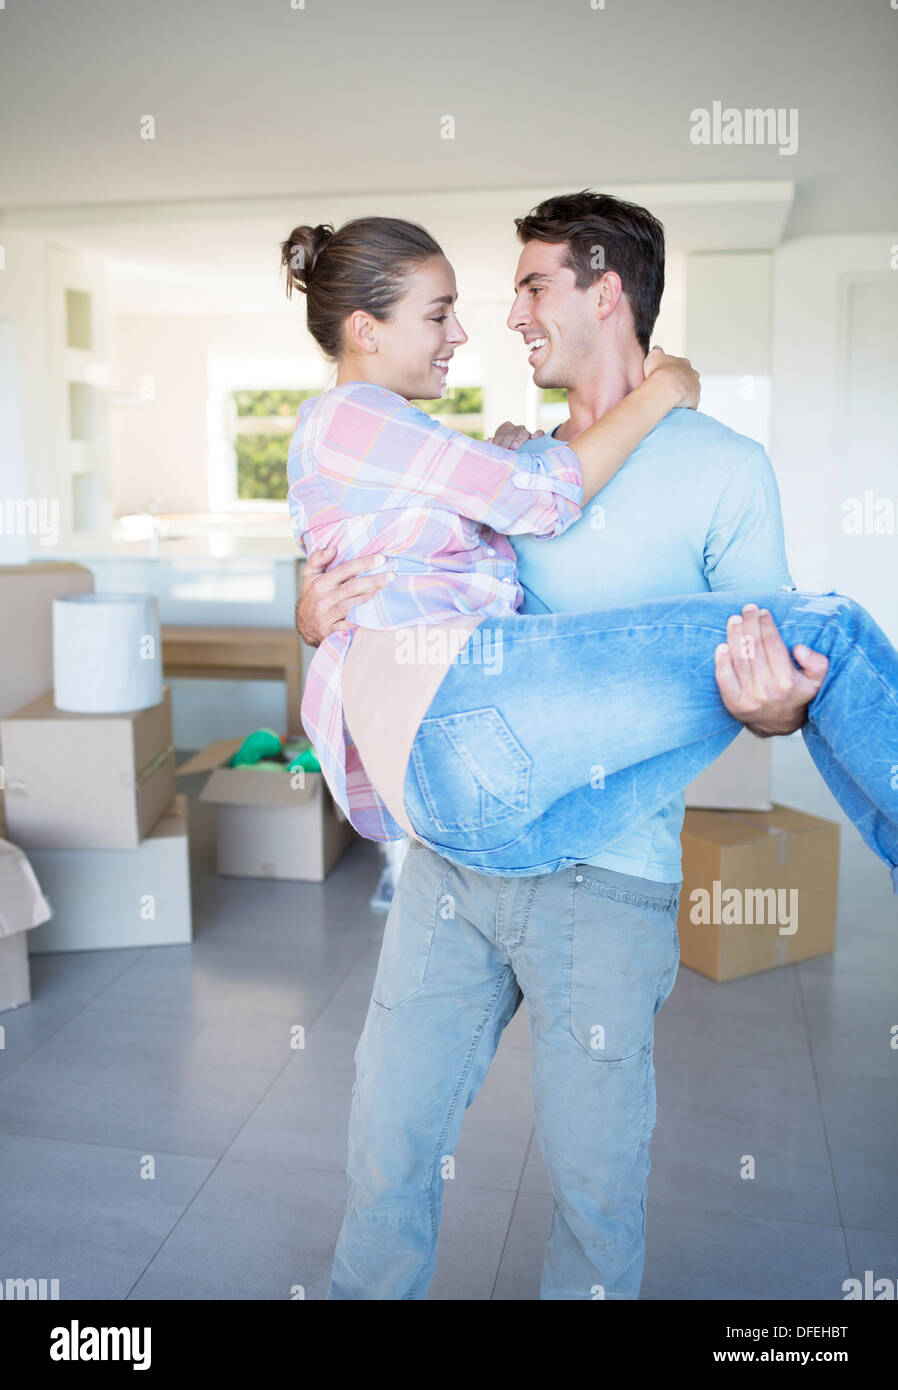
<point x="238" y="653"/>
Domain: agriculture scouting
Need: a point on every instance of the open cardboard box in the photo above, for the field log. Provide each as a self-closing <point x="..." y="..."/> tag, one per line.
<point x="270" y="824"/>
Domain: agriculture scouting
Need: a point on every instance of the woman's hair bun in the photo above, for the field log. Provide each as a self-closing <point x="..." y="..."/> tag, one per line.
<point x="300" y="252"/>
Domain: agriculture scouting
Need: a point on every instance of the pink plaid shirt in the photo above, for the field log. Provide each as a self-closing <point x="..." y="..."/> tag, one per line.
<point x="373" y="475"/>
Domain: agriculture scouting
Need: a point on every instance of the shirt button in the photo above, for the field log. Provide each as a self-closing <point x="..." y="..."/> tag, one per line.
<point x="490" y="550"/>
<point x="578" y="878"/>
<point x="507" y="579"/>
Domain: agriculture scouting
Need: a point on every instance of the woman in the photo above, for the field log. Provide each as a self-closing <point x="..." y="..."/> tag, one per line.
<point x="517" y="744"/>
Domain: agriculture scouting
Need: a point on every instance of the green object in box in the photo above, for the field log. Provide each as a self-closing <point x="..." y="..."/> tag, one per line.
<point x="303" y="756"/>
<point x="262" y="743"/>
<point x="266" y="750"/>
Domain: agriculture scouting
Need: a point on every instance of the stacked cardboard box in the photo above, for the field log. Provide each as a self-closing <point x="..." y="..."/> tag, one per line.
<point x="26" y="670"/>
<point x="760" y="881"/>
<point x="22" y="907"/>
<point x="26" y="630"/>
<point x="90" y="798"/>
<point x="86" y="781"/>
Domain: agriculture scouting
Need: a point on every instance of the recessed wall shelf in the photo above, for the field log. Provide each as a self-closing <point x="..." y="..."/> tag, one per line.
<point x="82" y="411"/>
<point x="78" y="320"/>
<point x="85" y="502"/>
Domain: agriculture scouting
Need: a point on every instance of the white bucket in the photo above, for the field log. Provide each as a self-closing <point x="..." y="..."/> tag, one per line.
<point x="107" y="653"/>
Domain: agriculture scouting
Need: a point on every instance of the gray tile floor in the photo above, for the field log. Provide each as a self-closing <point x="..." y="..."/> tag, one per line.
<point x="181" y="1055"/>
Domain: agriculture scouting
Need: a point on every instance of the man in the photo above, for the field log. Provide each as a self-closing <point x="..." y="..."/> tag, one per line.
<point x="593" y="949"/>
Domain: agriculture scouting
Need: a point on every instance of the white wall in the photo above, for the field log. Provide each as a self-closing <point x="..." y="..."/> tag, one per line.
<point x="33" y="286"/>
<point x="728" y="321"/>
<point x="867" y="449"/>
<point x="811" y="344"/>
<point x="820" y="315"/>
<point x="26" y="469"/>
<point x="14" y="541"/>
<point x="728" y="313"/>
<point x="161" y="365"/>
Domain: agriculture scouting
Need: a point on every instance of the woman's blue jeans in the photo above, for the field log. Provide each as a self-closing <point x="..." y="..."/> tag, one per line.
<point x="551" y="735"/>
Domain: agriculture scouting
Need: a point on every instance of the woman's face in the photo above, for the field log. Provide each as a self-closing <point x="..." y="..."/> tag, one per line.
<point x="415" y="345"/>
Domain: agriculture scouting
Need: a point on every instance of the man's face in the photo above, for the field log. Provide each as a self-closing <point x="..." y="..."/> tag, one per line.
<point x="550" y="312"/>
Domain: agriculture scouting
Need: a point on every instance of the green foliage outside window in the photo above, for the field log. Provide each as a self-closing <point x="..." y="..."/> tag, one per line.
<point x="262" y="467"/>
<point x="261" y="446"/>
<point x="281" y="403"/>
<point x="265" y="421"/>
<point x="459" y="401"/>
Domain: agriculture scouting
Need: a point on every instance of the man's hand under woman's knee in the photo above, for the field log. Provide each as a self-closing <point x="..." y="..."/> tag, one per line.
<point x="758" y="681"/>
<point x="328" y="594"/>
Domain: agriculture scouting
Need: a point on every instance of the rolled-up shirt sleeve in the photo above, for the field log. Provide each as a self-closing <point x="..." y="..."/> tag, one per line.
<point x="371" y="450"/>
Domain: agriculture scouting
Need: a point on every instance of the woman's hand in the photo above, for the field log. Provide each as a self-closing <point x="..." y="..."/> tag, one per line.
<point x="509" y="436"/>
<point x="680" y="371"/>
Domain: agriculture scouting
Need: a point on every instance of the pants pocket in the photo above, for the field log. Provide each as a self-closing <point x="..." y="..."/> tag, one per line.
<point x="624" y="954"/>
<point x="411" y="922"/>
<point x="471" y="771"/>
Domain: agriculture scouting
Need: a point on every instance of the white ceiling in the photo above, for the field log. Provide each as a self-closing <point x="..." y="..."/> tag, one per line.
<point x="255" y="99"/>
<point x="224" y="257"/>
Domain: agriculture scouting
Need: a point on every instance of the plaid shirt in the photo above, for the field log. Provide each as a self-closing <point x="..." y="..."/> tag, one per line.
<point x="374" y="475"/>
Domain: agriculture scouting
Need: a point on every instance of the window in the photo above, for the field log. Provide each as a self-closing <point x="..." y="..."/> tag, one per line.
<point x="460" y="409"/>
<point x="260" y="427"/>
<point x="251" y="415"/>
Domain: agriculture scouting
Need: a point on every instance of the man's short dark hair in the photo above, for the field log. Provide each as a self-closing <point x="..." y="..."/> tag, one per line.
<point x="604" y="233"/>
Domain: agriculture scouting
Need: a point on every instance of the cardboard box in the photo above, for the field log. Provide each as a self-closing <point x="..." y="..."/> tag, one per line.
<point x="739" y="780"/>
<point x="26" y="625"/>
<point x="26" y="630"/>
<point x="86" y="781"/>
<point x="104" y="898"/>
<point x="270" y="825"/>
<point x="22" y="908"/>
<point x="759" y="890"/>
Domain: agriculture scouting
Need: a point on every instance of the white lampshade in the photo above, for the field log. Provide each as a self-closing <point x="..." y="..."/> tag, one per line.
<point x="107" y="653"/>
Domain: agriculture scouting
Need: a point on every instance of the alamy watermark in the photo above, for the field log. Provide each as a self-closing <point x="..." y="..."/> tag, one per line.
<point x="745" y="907"/>
<point x="432" y="644"/>
<point x="870" y="515"/>
<point x="29" y="1289"/>
<point x="728" y="125"/>
<point x="31" y="516"/>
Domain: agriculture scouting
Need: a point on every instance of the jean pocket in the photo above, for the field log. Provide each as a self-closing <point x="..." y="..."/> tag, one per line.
<point x="472" y="773"/>
<point x="418" y="903"/>
<point x="624" y="954"/>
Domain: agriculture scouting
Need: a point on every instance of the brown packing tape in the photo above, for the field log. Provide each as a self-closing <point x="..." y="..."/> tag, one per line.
<point x="127" y="779"/>
<point x="781" y="836"/>
<point x="161" y="758"/>
<point x="136" y="779"/>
